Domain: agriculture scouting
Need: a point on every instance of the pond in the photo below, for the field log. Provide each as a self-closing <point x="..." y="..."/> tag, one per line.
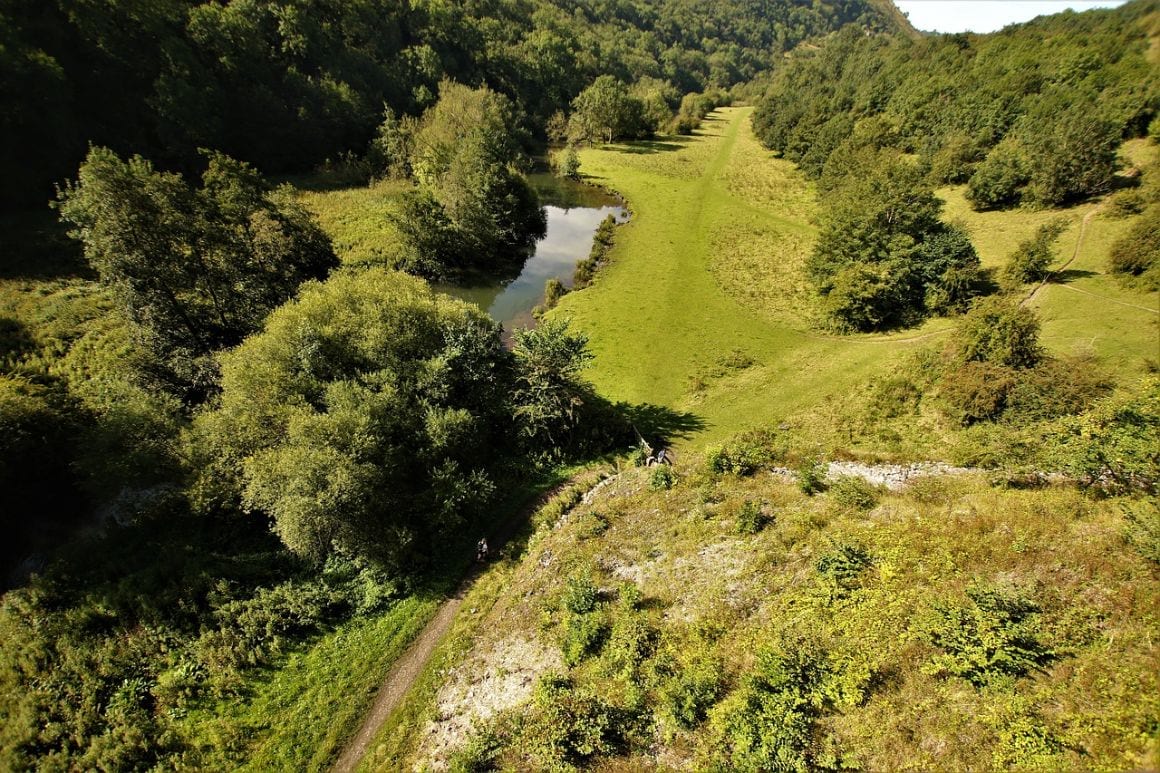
<point x="574" y="212"/>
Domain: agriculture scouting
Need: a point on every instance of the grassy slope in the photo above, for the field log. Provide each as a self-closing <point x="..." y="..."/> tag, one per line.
<point x="705" y="214"/>
<point x="1085" y="310"/>
<point x="710" y="266"/>
<point x="1094" y="701"/>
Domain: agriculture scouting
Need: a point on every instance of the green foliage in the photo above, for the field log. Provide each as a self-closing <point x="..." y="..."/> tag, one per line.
<point x="747" y="454"/>
<point x="554" y="290"/>
<point x="566" y="163"/>
<point x="842" y="566"/>
<point x="1143" y="530"/>
<point x="768" y="724"/>
<point x="995" y="634"/>
<point x="1116" y="444"/>
<point x="1000" y="332"/>
<point x="1032" y="258"/>
<point x="606" y="111"/>
<point x="196" y="270"/>
<point x="1136" y="254"/>
<point x="661" y="477"/>
<point x="751" y="518"/>
<point x="999" y="180"/>
<point x="1044" y="104"/>
<point x="586" y="269"/>
<point x="557" y="413"/>
<point x="475" y="212"/>
<point x="1071" y="147"/>
<point x="288" y="86"/>
<point x="580" y="595"/>
<point x="854" y="493"/>
<point x="811" y="477"/>
<point x="883" y="258"/>
<point x="583" y="636"/>
<point x="568" y="725"/>
<point x="977" y="391"/>
<point x="364" y="416"/>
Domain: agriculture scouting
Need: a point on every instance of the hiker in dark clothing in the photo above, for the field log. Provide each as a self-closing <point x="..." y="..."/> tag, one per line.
<point x="481" y="550"/>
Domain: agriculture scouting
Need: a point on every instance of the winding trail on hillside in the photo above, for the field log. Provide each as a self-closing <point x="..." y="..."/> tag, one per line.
<point x="1083" y="227"/>
<point x="407" y="668"/>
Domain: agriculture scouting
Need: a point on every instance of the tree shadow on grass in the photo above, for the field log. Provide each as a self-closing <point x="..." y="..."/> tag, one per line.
<point x="649" y="147"/>
<point x="661" y="423"/>
<point x="1070" y="275"/>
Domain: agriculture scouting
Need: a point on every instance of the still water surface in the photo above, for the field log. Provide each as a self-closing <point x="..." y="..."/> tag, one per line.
<point x="574" y="211"/>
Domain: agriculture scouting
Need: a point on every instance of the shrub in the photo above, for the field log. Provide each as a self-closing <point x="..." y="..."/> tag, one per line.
<point x="894" y="397"/>
<point x="843" y="565"/>
<point x="769" y="723"/>
<point x="996" y="633"/>
<point x="685" y="697"/>
<point x="811" y="477"/>
<point x="977" y="391"/>
<point x="1143" y="531"/>
<point x="567" y="725"/>
<point x="554" y="290"/>
<point x="751" y="518"/>
<point x="1136" y="254"/>
<point x="1115" y="445"/>
<point x="584" y="634"/>
<point x="580" y="595"/>
<point x="854" y="493"/>
<point x="747" y="453"/>
<point x="1031" y="259"/>
<point x="1001" y="332"/>
<point x="662" y="477"/>
<point x="1057" y="387"/>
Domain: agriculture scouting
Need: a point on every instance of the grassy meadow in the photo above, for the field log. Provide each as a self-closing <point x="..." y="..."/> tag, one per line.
<point x="705" y="308"/>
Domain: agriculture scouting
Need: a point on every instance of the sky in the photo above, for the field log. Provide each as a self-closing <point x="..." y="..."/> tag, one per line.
<point x="987" y="15"/>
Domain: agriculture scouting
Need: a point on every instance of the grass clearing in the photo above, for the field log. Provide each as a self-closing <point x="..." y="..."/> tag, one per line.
<point x="711" y="265"/>
<point x="357" y="219"/>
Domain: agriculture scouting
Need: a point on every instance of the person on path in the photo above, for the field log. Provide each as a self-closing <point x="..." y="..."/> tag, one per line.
<point x="481" y="550"/>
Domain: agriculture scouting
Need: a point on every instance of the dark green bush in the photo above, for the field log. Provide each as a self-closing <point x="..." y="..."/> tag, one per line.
<point x="747" y="454"/>
<point x="584" y="635"/>
<point x="662" y="478"/>
<point x="1033" y="257"/>
<point x="1057" y="387"/>
<point x="811" y="477"/>
<point x="843" y="565"/>
<point x="751" y="518"/>
<point x="995" y="633"/>
<point x="580" y="595"/>
<point x="1136" y="254"/>
<point x="567" y="726"/>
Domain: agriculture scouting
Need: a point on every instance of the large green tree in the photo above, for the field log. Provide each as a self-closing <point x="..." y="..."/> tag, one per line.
<point x="366" y="417"/>
<point x="196" y="269"/>
<point x="475" y="210"/>
<point x="883" y="257"/>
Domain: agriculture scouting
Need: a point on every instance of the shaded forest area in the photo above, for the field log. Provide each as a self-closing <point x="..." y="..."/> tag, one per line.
<point x="286" y="85"/>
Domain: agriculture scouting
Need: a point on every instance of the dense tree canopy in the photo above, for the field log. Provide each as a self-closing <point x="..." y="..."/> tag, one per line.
<point x="367" y="413"/>
<point x="1034" y="111"/>
<point x="286" y="84"/>
<point x="883" y="257"/>
<point x="196" y="268"/>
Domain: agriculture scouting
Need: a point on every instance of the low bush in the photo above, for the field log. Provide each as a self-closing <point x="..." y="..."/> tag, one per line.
<point x="811" y="477"/>
<point x="1143" y="532"/>
<point x="976" y="391"/>
<point x="854" y="493"/>
<point x="747" y="454"/>
<point x="662" y="478"/>
<point x="995" y="633"/>
<point x="751" y="518"/>
<point x="842" y="566"/>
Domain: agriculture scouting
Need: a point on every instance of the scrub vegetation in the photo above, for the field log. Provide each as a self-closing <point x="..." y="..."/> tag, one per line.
<point x="246" y="448"/>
